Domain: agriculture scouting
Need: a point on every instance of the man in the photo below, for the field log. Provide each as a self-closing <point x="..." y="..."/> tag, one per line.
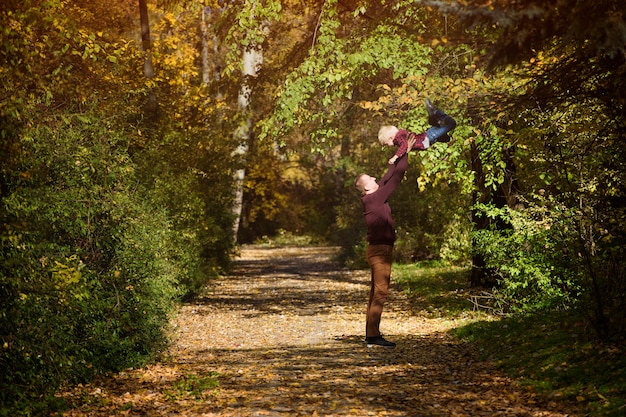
<point x="381" y="236"/>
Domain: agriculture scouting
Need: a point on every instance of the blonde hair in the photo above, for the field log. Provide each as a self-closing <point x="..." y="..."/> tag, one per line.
<point x="386" y="132"/>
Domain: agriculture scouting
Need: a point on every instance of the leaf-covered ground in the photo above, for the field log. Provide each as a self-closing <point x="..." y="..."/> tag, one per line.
<point x="283" y="336"/>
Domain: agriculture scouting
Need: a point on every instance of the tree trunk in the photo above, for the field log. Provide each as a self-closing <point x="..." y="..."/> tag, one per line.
<point x="252" y="61"/>
<point x="148" y="69"/>
<point x="210" y="71"/>
<point x="505" y="195"/>
<point x="478" y="274"/>
<point x="206" y="72"/>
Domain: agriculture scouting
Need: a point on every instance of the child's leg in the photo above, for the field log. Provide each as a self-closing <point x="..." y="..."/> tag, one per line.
<point x="444" y="124"/>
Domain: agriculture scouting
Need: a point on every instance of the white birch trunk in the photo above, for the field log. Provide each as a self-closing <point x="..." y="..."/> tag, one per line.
<point x="252" y="61"/>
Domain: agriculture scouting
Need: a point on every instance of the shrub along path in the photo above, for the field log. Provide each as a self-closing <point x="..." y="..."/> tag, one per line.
<point x="283" y="336"/>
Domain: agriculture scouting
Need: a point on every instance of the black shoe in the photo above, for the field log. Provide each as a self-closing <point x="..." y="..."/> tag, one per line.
<point x="433" y="113"/>
<point x="444" y="139"/>
<point x="378" y="341"/>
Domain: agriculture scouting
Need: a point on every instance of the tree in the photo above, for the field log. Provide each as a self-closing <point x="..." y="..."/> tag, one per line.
<point x="101" y="230"/>
<point x="368" y="63"/>
<point x="252" y="60"/>
<point x="574" y="55"/>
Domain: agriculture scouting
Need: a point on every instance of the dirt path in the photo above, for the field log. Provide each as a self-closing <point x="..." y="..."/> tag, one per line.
<point x="283" y="336"/>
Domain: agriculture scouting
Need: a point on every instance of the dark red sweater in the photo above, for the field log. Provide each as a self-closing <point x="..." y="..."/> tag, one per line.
<point x="378" y="221"/>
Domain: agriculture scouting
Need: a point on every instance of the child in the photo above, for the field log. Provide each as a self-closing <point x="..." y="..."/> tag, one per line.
<point x="441" y="125"/>
<point x="392" y="136"/>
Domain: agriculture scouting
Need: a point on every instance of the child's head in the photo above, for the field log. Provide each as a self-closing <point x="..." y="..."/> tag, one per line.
<point x="386" y="135"/>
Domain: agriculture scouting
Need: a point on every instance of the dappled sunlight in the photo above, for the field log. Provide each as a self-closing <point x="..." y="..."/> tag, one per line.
<point x="290" y="343"/>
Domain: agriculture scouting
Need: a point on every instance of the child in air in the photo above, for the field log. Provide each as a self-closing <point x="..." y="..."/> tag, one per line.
<point x="441" y="123"/>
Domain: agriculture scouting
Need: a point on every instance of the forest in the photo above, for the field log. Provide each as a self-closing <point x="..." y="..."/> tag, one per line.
<point x="142" y="142"/>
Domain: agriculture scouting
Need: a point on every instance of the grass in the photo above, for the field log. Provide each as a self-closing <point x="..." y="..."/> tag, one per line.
<point x="436" y="289"/>
<point x="549" y="352"/>
<point x="192" y="386"/>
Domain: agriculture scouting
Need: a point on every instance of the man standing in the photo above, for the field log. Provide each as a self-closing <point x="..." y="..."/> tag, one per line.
<point x="381" y="236"/>
<point x="381" y="233"/>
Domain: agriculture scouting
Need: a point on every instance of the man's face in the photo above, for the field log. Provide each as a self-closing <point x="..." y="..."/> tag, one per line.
<point x="369" y="184"/>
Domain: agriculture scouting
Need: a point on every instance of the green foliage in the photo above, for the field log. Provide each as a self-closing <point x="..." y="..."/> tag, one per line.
<point x="456" y="244"/>
<point x="105" y="221"/>
<point x="193" y="186"/>
<point x="425" y="215"/>
<point x="248" y="29"/>
<point x="527" y="258"/>
<point x="573" y="160"/>
<point x="315" y="94"/>
<point x="574" y="139"/>
<point x="550" y="259"/>
<point x="88" y="278"/>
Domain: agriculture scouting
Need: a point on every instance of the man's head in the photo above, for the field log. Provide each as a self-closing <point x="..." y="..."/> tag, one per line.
<point x="365" y="184"/>
<point x="386" y="135"/>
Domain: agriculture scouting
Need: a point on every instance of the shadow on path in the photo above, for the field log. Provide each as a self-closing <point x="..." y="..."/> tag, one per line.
<point x="283" y="335"/>
<point x="302" y="281"/>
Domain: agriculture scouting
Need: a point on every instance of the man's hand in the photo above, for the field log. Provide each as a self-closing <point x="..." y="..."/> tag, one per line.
<point x="393" y="160"/>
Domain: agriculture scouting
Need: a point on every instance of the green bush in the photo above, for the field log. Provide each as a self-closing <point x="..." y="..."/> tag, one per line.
<point x="90" y="266"/>
<point x="194" y="186"/>
<point x="546" y="260"/>
<point x="528" y="260"/>
<point x="431" y="223"/>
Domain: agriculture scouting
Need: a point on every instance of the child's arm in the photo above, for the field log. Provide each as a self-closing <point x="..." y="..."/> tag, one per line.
<point x="403" y="146"/>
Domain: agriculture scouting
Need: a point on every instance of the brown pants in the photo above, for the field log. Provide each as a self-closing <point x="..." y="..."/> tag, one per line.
<point x="379" y="257"/>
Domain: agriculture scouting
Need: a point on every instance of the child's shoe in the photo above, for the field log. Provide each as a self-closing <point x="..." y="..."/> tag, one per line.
<point x="445" y="138"/>
<point x="433" y="113"/>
